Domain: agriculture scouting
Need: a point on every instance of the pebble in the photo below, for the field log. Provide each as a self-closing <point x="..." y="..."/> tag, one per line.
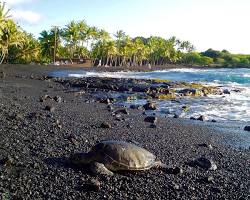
<point x="50" y="108"/>
<point x="44" y="98"/>
<point x="209" y="179"/>
<point x="58" y="99"/>
<point x="105" y="125"/>
<point x="123" y="111"/>
<point x="205" y="163"/>
<point x="93" y="185"/>
<point x="150" y="106"/>
<point x="201" y="118"/>
<point x="175" y="170"/>
<point x="151" y="119"/>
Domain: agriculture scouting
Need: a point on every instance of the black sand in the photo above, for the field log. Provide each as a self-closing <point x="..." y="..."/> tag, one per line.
<point x="35" y="144"/>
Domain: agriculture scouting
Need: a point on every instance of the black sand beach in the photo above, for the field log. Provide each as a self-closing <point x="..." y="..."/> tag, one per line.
<point x="35" y="144"/>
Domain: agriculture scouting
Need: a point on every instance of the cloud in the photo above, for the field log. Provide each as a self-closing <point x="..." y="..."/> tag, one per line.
<point x="16" y="2"/>
<point x="26" y="16"/>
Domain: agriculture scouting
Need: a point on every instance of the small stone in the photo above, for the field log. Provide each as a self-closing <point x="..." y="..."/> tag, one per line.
<point x="129" y="126"/>
<point x="58" y="99"/>
<point x="192" y="118"/>
<point x="176" y="116"/>
<point x="226" y="91"/>
<point x="93" y="185"/>
<point x="105" y="125"/>
<point x="205" y="163"/>
<point x="150" y="106"/>
<point x="206" y="145"/>
<point x="201" y="118"/>
<point x="110" y="108"/>
<point x="44" y="98"/>
<point x="213" y="120"/>
<point x="50" y="108"/>
<point x="209" y="179"/>
<point x="151" y="119"/>
<point x="107" y="101"/>
<point x="175" y="170"/>
<point x="123" y="111"/>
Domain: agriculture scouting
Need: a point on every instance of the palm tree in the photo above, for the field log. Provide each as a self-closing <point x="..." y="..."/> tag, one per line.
<point x="72" y="36"/>
<point x="9" y="36"/>
<point x="4" y="13"/>
<point x="46" y="40"/>
<point x="28" y="52"/>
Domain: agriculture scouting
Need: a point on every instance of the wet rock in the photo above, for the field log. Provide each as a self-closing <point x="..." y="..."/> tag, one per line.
<point x="205" y="163"/>
<point x="247" y="128"/>
<point x="176" y="116"/>
<point x="58" y="99"/>
<point x="192" y="118"/>
<point x="185" y="108"/>
<point x="151" y="119"/>
<point x="150" y="106"/>
<point x="105" y="125"/>
<point x="213" y="120"/>
<point x="50" y="108"/>
<point x="226" y="91"/>
<point x="201" y="118"/>
<point x="191" y="92"/>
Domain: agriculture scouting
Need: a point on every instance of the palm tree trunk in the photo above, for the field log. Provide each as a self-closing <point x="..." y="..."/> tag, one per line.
<point x="2" y="57"/>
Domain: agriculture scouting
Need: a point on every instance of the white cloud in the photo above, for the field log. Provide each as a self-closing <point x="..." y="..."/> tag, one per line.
<point x="16" y="2"/>
<point x="26" y="16"/>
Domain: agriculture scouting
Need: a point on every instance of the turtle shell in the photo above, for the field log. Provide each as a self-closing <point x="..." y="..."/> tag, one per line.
<point x="120" y="155"/>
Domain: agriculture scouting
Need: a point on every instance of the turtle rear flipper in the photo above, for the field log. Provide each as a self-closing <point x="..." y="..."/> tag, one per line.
<point x="100" y="169"/>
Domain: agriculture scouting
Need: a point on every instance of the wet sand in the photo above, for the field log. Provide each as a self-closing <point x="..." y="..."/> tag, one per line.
<point x="35" y="144"/>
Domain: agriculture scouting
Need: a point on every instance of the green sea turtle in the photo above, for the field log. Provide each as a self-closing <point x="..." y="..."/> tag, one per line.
<point x="109" y="156"/>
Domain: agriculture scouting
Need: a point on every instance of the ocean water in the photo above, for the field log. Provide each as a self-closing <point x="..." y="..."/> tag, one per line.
<point x="229" y="107"/>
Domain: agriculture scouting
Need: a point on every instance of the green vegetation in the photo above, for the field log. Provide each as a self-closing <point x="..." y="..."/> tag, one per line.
<point x="79" y="40"/>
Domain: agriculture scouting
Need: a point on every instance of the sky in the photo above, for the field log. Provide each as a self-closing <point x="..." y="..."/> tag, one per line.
<point x="217" y="24"/>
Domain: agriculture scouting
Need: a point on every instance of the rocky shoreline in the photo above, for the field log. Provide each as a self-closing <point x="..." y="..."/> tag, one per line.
<point x="44" y="120"/>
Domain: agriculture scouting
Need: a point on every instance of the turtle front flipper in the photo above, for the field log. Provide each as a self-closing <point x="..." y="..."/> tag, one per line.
<point x="99" y="168"/>
<point x="160" y="165"/>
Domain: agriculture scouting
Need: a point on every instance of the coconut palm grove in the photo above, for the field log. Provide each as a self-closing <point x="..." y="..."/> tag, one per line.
<point x="77" y="39"/>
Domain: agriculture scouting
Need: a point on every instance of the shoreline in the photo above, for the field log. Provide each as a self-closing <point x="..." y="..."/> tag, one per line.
<point x="48" y="68"/>
<point x="38" y="143"/>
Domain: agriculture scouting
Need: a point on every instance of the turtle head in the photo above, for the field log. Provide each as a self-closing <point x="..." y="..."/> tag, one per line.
<point x="80" y="158"/>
